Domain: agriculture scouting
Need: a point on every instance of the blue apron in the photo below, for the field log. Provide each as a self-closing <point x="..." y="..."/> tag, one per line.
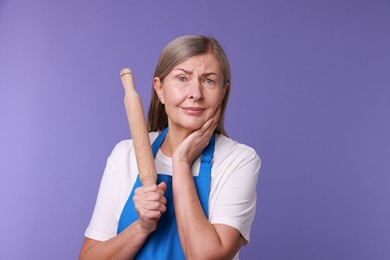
<point x="164" y="242"/>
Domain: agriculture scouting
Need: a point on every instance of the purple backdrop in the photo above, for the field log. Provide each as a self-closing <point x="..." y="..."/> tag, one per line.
<point x="311" y="93"/>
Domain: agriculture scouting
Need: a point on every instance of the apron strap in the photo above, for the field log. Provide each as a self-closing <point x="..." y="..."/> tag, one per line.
<point x="158" y="142"/>
<point x="206" y="160"/>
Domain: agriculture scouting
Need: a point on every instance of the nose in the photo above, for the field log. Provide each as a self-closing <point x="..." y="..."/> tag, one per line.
<point x="195" y="91"/>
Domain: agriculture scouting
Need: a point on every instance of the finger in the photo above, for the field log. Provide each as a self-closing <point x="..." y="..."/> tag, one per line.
<point x="217" y="111"/>
<point x="207" y="125"/>
<point x="163" y="186"/>
<point x="153" y="206"/>
<point x="149" y="216"/>
<point x="213" y="121"/>
<point x="149" y="210"/>
<point x="149" y="188"/>
<point x="217" y="114"/>
<point x="149" y="197"/>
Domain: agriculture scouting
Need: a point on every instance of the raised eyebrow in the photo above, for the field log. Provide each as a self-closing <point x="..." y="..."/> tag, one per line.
<point x="185" y="71"/>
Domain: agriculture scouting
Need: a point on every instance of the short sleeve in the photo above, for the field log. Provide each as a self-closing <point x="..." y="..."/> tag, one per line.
<point x="103" y="223"/>
<point x="235" y="203"/>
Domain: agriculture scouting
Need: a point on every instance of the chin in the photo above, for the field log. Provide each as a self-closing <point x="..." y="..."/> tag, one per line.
<point x="191" y="126"/>
<point x="187" y="123"/>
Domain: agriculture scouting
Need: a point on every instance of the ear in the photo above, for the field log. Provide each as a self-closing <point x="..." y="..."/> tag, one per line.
<point x="157" y="85"/>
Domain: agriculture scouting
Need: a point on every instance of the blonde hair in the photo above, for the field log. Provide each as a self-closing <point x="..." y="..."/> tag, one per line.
<point x="176" y="52"/>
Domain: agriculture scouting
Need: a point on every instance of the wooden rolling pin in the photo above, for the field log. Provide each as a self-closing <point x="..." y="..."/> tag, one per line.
<point x="138" y="129"/>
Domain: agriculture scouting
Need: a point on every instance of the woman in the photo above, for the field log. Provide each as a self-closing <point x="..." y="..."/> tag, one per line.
<point x="203" y="204"/>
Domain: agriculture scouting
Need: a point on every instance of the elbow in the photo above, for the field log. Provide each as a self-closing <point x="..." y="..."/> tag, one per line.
<point x="205" y="256"/>
<point x="209" y="253"/>
<point x="83" y="254"/>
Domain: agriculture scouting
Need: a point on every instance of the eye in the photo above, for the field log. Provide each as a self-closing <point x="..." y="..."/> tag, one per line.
<point x="181" y="78"/>
<point x="209" y="81"/>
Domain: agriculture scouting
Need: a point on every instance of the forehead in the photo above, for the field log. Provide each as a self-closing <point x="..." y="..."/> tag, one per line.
<point x="204" y="62"/>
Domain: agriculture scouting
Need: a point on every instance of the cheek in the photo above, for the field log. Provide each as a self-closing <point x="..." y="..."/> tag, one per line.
<point x="172" y="97"/>
<point x="216" y="98"/>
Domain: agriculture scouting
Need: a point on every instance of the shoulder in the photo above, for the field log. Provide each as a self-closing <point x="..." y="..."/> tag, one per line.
<point x="227" y="149"/>
<point x="125" y="148"/>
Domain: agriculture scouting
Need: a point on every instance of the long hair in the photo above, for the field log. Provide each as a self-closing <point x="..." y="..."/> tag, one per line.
<point x="176" y="52"/>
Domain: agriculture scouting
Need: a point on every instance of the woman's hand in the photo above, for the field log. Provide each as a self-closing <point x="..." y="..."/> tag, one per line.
<point x="193" y="145"/>
<point x="149" y="202"/>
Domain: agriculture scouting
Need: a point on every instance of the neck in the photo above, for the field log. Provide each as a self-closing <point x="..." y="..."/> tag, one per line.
<point x="174" y="137"/>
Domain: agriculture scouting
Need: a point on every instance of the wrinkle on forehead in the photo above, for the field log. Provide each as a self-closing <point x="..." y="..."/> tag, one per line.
<point x="202" y="64"/>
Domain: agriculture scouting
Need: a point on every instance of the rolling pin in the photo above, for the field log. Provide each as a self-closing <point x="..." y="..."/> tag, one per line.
<point x="138" y="129"/>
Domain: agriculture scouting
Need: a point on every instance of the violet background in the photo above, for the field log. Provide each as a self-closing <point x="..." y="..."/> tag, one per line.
<point x="311" y="93"/>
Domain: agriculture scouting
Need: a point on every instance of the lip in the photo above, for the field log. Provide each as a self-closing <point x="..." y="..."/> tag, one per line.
<point x="193" y="111"/>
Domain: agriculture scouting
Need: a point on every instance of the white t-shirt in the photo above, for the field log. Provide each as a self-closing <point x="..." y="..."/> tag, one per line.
<point x="232" y="199"/>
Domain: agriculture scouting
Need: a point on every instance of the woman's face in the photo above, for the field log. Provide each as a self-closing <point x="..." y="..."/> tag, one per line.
<point x="191" y="92"/>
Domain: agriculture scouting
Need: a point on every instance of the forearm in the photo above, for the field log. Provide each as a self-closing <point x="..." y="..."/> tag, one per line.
<point x="199" y="238"/>
<point x="123" y="246"/>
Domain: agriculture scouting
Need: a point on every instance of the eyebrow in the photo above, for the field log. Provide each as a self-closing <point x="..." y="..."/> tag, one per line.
<point x="190" y="72"/>
<point x="209" y="73"/>
<point x="185" y="71"/>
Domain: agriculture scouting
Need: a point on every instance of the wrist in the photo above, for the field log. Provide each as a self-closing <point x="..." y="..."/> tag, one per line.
<point x="177" y="157"/>
<point x="140" y="230"/>
<point x="180" y="162"/>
